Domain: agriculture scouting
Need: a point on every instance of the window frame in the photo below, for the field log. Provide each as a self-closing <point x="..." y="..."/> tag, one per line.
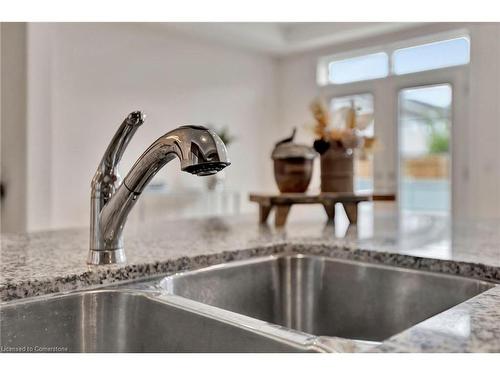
<point x="323" y="63"/>
<point x="386" y="93"/>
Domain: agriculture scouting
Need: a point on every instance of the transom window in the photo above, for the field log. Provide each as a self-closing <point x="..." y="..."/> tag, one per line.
<point x="405" y="58"/>
<point x="360" y="68"/>
<point x="443" y="54"/>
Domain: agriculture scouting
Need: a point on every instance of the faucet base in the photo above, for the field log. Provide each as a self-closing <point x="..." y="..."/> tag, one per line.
<point x="97" y="257"/>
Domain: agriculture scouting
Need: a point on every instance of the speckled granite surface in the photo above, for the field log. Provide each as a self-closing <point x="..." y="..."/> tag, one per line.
<point x="472" y="326"/>
<point x="47" y="262"/>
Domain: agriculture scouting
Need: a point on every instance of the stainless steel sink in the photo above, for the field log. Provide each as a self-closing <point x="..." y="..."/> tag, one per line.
<point x="123" y="321"/>
<point x="287" y="303"/>
<point x="324" y="296"/>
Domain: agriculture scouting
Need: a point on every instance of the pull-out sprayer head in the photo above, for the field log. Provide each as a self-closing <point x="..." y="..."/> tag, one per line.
<point x="206" y="169"/>
<point x="207" y="153"/>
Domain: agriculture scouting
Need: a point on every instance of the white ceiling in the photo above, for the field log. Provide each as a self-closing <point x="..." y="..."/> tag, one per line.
<point x="283" y="38"/>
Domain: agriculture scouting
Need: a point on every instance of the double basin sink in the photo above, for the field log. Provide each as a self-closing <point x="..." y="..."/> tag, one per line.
<point x="284" y="303"/>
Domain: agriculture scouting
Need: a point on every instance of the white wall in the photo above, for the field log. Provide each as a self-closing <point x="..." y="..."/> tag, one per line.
<point x="477" y="180"/>
<point x="483" y="175"/>
<point x="85" y="78"/>
<point x="82" y="80"/>
<point x="13" y="126"/>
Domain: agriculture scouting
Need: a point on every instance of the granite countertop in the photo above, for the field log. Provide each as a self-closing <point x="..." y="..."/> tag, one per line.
<point x="54" y="261"/>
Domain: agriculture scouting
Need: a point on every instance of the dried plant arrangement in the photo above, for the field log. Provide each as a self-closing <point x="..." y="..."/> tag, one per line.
<point x="345" y="132"/>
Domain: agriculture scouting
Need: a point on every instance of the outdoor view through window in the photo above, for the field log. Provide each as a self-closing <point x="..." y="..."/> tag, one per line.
<point x="424" y="148"/>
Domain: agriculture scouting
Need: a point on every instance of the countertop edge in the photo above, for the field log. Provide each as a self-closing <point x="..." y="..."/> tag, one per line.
<point x="98" y="276"/>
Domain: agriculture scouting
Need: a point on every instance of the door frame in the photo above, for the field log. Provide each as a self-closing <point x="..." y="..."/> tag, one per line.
<point x="386" y="111"/>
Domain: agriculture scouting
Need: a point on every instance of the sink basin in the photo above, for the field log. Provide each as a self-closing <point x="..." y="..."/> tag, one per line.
<point x="122" y="321"/>
<point x="287" y="303"/>
<point x="324" y="296"/>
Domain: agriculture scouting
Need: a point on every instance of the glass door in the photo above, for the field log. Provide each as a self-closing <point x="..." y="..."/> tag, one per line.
<point x="424" y="133"/>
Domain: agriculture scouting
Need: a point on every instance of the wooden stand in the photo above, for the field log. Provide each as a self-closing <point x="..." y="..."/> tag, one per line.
<point x="283" y="203"/>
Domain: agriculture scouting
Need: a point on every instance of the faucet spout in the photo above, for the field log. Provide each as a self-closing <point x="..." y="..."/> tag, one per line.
<point x="200" y="151"/>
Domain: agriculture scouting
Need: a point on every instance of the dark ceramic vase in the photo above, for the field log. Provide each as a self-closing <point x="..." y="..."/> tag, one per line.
<point x="293" y="175"/>
<point x="293" y="166"/>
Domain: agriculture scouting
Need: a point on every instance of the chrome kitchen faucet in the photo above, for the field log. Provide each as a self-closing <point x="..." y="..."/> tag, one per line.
<point x="200" y="151"/>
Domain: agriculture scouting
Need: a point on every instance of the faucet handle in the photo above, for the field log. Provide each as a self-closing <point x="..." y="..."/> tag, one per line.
<point x="121" y="139"/>
<point x="107" y="178"/>
<point x="136" y="118"/>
